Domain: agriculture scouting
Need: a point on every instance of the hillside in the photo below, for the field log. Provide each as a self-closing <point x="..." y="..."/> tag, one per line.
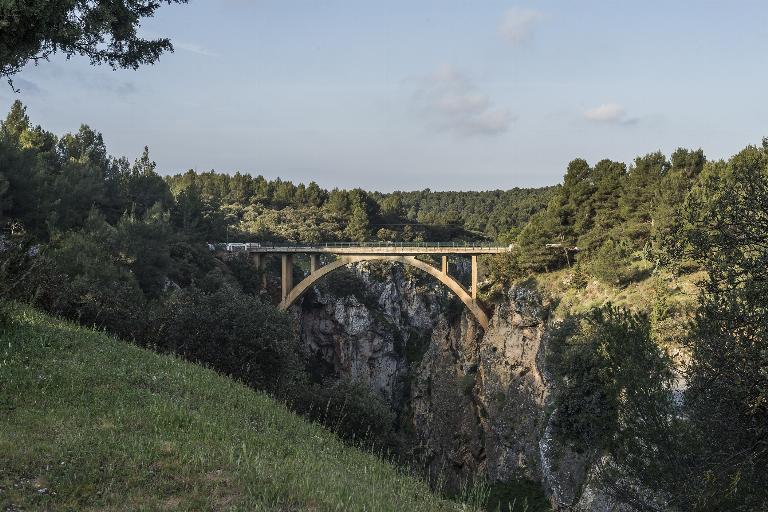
<point x="89" y="422"/>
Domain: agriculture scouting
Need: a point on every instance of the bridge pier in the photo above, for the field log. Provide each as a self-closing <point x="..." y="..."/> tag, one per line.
<point x="444" y="259"/>
<point x="314" y="263"/>
<point x="473" y="288"/>
<point x="286" y="274"/>
<point x="260" y="263"/>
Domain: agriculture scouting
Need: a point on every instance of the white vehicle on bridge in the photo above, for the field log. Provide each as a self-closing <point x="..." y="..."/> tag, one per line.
<point x="241" y="247"/>
<point x="237" y="247"/>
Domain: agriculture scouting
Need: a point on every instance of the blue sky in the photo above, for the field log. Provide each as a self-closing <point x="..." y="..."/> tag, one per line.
<point x="449" y="95"/>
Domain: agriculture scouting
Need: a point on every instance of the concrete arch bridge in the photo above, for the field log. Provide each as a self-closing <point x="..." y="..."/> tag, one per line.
<point x="346" y="253"/>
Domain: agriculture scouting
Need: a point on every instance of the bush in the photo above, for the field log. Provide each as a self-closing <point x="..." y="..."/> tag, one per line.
<point x="85" y="284"/>
<point x="579" y="278"/>
<point x="503" y="270"/>
<point x="517" y="495"/>
<point x="608" y="370"/>
<point x="248" y="276"/>
<point x="22" y="268"/>
<point x="611" y="263"/>
<point x="6" y="318"/>
<point x="235" y="333"/>
<point x="613" y="396"/>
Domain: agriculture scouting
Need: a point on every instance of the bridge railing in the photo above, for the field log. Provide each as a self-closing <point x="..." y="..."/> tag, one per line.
<point x="246" y="246"/>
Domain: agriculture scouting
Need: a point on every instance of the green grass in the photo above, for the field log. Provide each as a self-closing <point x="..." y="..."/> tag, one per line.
<point x="88" y="422"/>
<point x="639" y="295"/>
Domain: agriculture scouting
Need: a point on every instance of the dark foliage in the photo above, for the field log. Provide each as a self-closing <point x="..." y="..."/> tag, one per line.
<point x="610" y="375"/>
<point x="105" y="31"/>
<point x="727" y="218"/>
<point x="517" y="495"/>
<point x="492" y="213"/>
<point x="233" y="332"/>
<point x="612" y="217"/>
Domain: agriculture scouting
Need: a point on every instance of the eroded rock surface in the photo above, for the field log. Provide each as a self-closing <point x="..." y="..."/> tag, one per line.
<point x="472" y="403"/>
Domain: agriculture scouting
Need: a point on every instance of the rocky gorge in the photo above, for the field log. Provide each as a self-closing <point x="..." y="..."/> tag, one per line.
<point x="471" y="404"/>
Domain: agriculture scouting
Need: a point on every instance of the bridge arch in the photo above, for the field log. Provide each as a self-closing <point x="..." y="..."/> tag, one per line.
<point x="305" y="284"/>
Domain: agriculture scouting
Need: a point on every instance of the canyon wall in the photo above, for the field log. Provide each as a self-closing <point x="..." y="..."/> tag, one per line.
<point x="470" y="403"/>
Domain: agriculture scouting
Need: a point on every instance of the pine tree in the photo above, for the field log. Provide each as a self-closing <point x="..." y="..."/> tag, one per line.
<point x="15" y="124"/>
<point x="637" y="199"/>
<point x="669" y="202"/>
<point x="358" y="228"/>
<point x="608" y="177"/>
<point x="727" y="214"/>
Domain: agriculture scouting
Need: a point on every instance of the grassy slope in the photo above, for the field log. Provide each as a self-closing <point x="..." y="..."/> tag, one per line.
<point x="672" y="300"/>
<point x="89" y="422"/>
<point x="681" y="292"/>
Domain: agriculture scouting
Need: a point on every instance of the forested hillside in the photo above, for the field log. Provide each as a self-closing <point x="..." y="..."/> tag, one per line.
<point x="613" y="215"/>
<point x="255" y="208"/>
<point x="110" y="243"/>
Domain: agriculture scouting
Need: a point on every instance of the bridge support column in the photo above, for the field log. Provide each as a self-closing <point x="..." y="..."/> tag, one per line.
<point x="259" y="263"/>
<point x="286" y="274"/>
<point x="474" y="276"/>
<point x="445" y="264"/>
<point x="314" y="263"/>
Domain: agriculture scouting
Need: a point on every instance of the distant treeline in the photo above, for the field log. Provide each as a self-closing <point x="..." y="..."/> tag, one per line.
<point x="496" y="213"/>
<point x="362" y="215"/>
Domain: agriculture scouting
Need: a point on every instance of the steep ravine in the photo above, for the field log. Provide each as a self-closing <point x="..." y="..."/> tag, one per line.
<point x="472" y="403"/>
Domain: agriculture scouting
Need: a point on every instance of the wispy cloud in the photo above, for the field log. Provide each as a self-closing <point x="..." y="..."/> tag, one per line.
<point x="449" y="101"/>
<point x="608" y="113"/>
<point x="90" y="78"/>
<point x="518" y="23"/>
<point x="194" y="48"/>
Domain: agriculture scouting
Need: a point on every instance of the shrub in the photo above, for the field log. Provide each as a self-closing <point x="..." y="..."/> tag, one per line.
<point x="86" y="285"/>
<point x="611" y="263"/>
<point x="607" y="368"/>
<point x="613" y="397"/>
<point x="503" y="270"/>
<point x="248" y="276"/>
<point x="579" y="278"/>
<point x="517" y="495"/>
<point x="6" y="318"/>
<point x="235" y="333"/>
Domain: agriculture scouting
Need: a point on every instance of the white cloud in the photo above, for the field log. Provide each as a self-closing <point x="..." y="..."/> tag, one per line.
<point x="448" y="74"/>
<point x="448" y="100"/>
<point x="194" y="48"/>
<point x="518" y="24"/>
<point x="452" y="103"/>
<point x="607" y="113"/>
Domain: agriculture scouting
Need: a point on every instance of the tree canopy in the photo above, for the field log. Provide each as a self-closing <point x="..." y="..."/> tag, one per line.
<point x="104" y="31"/>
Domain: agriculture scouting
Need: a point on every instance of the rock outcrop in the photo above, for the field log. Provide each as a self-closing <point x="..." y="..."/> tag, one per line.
<point x="473" y="403"/>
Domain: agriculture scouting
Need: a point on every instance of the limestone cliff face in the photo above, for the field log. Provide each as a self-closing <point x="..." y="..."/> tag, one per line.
<point x="369" y="338"/>
<point x="473" y="403"/>
<point x="478" y="399"/>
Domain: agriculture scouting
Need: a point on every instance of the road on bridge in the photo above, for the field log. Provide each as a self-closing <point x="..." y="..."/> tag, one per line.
<point x="362" y="248"/>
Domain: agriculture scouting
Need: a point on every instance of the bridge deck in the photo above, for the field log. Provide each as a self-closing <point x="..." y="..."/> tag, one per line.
<point x="397" y="248"/>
